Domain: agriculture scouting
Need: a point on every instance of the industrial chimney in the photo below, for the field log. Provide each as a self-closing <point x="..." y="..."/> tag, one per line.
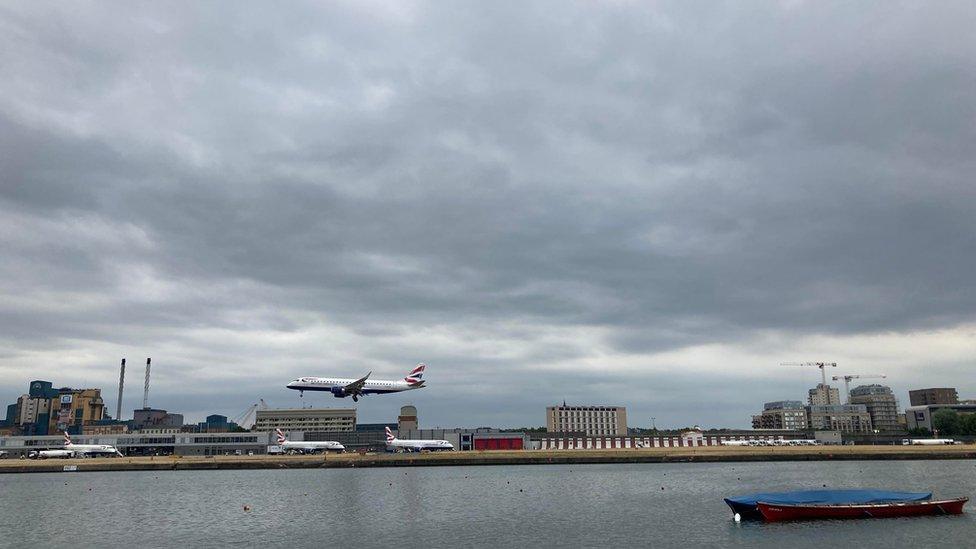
<point x="145" y="393"/>
<point x="118" y="409"/>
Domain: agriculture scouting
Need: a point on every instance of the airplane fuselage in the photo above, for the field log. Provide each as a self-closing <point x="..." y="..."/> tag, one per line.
<point x="92" y="450"/>
<point x="336" y="386"/>
<point x="311" y="446"/>
<point x="46" y="454"/>
<point x="419" y="445"/>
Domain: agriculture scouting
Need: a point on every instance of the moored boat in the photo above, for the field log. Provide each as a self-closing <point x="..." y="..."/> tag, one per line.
<point x="774" y="512"/>
<point x="747" y="506"/>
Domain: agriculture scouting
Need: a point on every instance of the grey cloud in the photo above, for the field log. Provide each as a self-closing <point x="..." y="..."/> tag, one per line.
<point x="666" y="177"/>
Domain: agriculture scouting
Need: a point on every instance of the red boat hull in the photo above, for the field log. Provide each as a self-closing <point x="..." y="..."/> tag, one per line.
<point x="773" y="512"/>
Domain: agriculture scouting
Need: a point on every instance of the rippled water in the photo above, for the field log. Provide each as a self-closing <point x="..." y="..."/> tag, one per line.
<point x="663" y="505"/>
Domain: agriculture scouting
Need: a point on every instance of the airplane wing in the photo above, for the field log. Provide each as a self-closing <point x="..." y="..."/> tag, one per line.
<point x="356" y="387"/>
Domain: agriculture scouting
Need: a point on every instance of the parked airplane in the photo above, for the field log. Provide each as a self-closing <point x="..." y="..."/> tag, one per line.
<point x="76" y="450"/>
<point x="396" y="444"/>
<point x="46" y="454"/>
<point x="341" y="388"/>
<point x="928" y="441"/>
<point x="309" y="447"/>
<point x="83" y="450"/>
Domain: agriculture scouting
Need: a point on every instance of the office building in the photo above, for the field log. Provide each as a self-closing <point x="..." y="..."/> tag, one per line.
<point x="33" y="410"/>
<point x="306" y="419"/>
<point x="823" y="395"/>
<point x="783" y="414"/>
<point x="937" y="395"/>
<point x="33" y="414"/>
<point x="920" y="417"/>
<point x="11" y="418"/>
<point x="846" y="418"/>
<point x="154" y="418"/>
<point x="216" y="423"/>
<point x="74" y="408"/>
<point x="591" y="420"/>
<point x="881" y="405"/>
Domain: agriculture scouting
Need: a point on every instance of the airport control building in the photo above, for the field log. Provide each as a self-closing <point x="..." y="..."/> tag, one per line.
<point x="592" y="420"/>
<point x="306" y="419"/>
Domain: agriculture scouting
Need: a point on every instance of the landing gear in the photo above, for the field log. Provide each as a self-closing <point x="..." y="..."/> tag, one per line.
<point x="355" y="398"/>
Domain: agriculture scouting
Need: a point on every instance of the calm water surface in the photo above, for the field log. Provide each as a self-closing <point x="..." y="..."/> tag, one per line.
<point x="541" y="506"/>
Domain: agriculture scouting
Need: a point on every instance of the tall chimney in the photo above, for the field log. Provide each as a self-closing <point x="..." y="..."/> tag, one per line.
<point x="118" y="409"/>
<point x="145" y="394"/>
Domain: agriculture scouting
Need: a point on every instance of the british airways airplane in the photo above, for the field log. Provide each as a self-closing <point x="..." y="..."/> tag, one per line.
<point x="420" y="445"/>
<point x="310" y="447"/>
<point x="79" y="450"/>
<point x="341" y="388"/>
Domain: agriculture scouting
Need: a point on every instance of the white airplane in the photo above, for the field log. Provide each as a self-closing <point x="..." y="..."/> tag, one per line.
<point x="415" y="445"/>
<point x="82" y="450"/>
<point x="341" y="388"/>
<point x="928" y="441"/>
<point x="77" y="450"/>
<point x="309" y="447"/>
<point x="51" y="454"/>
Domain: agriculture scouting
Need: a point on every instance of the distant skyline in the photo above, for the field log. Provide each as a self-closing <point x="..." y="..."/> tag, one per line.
<point x="645" y="206"/>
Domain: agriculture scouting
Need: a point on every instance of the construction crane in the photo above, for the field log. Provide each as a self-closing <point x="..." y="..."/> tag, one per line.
<point x="847" y="382"/>
<point x="822" y="365"/>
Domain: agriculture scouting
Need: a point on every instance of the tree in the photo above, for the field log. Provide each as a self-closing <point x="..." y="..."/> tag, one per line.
<point x="946" y="422"/>
<point x="967" y="424"/>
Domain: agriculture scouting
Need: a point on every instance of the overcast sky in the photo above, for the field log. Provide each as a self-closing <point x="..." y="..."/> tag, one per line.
<point x="608" y="203"/>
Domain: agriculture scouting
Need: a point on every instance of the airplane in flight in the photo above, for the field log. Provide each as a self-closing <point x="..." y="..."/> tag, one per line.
<point x="396" y="444"/>
<point x="341" y="388"/>
<point x="309" y="447"/>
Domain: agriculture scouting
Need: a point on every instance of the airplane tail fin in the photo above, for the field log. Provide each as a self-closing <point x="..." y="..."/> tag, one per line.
<point x="281" y="436"/>
<point x="389" y="435"/>
<point x="67" y="439"/>
<point x="416" y="376"/>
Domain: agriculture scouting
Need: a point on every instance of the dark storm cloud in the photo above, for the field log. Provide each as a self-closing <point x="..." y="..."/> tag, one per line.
<point x="538" y="185"/>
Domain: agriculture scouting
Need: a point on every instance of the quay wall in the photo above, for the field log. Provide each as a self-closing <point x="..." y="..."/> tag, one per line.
<point x="527" y="457"/>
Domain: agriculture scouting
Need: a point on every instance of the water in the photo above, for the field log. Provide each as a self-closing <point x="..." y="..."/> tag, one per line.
<point x="540" y="506"/>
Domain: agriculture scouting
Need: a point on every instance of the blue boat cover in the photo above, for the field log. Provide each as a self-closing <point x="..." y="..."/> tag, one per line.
<point x="828" y="497"/>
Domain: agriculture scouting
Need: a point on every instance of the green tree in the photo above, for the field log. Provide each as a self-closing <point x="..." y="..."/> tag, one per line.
<point x="967" y="424"/>
<point x="946" y="422"/>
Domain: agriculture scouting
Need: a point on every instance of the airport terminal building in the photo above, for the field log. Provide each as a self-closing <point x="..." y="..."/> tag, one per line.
<point x="150" y="444"/>
<point x="693" y="437"/>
